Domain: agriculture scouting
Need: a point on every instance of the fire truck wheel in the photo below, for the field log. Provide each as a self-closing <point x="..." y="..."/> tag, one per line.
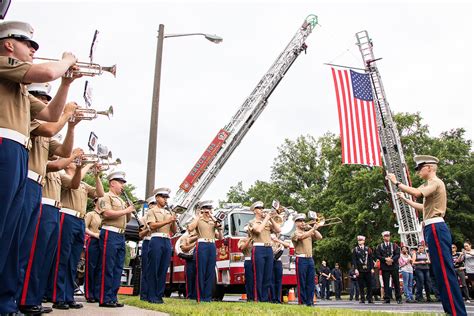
<point x="218" y="291"/>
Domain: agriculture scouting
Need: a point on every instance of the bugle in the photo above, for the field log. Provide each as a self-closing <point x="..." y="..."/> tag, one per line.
<point x="90" y="114"/>
<point x="85" y="68"/>
<point x="104" y="166"/>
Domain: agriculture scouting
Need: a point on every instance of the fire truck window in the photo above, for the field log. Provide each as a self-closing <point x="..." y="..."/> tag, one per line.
<point x="237" y="223"/>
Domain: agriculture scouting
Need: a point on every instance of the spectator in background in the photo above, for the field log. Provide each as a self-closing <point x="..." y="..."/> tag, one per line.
<point x="354" y="290"/>
<point x="324" y="279"/>
<point x="469" y="261"/>
<point x="421" y="262"/>
<point x="407" y="273"/>
<point x="337" y="275"/>
<point x="458" y="261"/>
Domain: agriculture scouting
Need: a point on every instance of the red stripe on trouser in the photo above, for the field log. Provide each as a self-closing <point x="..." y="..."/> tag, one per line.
<point x="298" y="281"/>
<point x="198" y="294"/>
<point x="30" y="260"/>
<point x="56" y="269"/>
<point x="443" y="269"/>
<point x="254" y="268"/>
<point x="86" y="277"/>
<point x="186" y="277"/>
<point x="102" y="281"/>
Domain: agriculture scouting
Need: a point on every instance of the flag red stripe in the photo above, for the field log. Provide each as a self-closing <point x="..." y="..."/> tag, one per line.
<point x="357" y="123"/>
<point x="343" y="152"/>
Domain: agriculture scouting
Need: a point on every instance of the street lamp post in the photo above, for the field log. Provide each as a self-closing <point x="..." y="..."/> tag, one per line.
<point x="152" y="141"/>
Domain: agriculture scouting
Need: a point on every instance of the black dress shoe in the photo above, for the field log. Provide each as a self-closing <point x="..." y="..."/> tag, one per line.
<point x="75" y="305"/>
<point x="386" y="302"/>
<point x="399" y="301"/>
<point x="362" y="302"/>
<point x="60" y="305"/>
<point x="91" y="300"/>
<point x="371" y="302"/>
<point x="109" y="304"/>
<point x="31" y="309"/>
<point x="117" y="304"/>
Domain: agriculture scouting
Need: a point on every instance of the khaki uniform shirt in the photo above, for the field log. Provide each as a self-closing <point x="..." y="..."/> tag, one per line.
<point x="434" y="198"/>
<point x="17" y="106"/>
<point x="75" y="199"/>
<point x="52" y="186"/>
<point x="206" y="228"/>
<point x="247" y="251"/>
<point x="156" y="215"/>
<point x="304" y="246"/>
<point x="93" y="221"/>
<point x="108" y="202"/>
<point x="142" y="221"/>
<point x="41" y="149"/>
<point x="264" y="236"/>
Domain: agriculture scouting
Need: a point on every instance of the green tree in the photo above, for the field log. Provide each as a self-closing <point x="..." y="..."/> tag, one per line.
<point x="308" y="175"/>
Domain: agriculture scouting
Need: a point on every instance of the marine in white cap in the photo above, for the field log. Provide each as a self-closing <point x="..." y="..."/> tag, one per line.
<point x="17" y="109"/>
<point x="363" y="263"/>
<point x="435" y="230"/>
<point x="303" y="242"/>
<point x="145" y="235"/>
<point x="115" y="216"/>
<point x="162" y="223"/>
<point x="207" y="231"/>
<point x="260" y="229"/>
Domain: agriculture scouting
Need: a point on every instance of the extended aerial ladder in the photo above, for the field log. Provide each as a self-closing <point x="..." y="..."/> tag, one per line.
<point x="392" y="152"/>
<point x="228" y="138"/>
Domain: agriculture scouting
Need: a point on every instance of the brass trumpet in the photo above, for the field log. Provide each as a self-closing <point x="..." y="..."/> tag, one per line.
<point x="92" y="158"/>
<point x="90" y="114"/>
<point x="106" y="165"/>
<point x="86" y="69"/>
<point x="321" y="221"/>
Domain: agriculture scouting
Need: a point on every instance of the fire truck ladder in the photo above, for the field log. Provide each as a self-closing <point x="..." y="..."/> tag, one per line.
<point x="392" y="151"/>
<point x="244" y="118"/>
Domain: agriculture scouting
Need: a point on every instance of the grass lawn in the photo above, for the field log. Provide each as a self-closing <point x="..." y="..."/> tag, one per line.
<point x="176" y="306"/>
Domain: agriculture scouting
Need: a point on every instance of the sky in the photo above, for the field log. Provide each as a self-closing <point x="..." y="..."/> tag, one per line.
<point x="427" y="67"/>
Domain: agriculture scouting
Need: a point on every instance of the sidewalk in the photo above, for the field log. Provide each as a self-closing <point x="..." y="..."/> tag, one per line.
<point x="90" y="309"/>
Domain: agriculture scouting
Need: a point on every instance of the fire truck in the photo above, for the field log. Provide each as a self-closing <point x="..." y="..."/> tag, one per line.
<point x="230" y="261"/>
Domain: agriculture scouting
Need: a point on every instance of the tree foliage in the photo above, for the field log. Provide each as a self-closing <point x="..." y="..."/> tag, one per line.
<point x="308" y="175"/>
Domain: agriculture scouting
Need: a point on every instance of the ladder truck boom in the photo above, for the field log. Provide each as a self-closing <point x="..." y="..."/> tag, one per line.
<point x="392" y="152"/>
<point x="228" y="138"/>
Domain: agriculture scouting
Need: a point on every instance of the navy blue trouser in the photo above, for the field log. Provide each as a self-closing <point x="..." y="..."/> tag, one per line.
<point x="112" y="250"/>
<point x="422" y="281"/>
<point x="439" y="241"/>
<point x="305" y="277"/>
<point x="324" y="288"/>
<point x="249" y="279"/>
<point x="13" y="172"/>
<point x="91" y="277"/>
<point x="159" y="256"/>
<point x="191" y="279"/>
<point x="276" y="281"/>
<point x="70" y="244"/>
<point x="143" y="279"/>
<point x="41" y="256"/>
<point x="206" y="270"/>
<point x="262" y="263"/>
<point x="28" y="237"/>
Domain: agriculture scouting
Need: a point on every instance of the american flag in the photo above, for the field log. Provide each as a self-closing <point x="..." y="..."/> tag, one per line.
<point x="357" y="123"/>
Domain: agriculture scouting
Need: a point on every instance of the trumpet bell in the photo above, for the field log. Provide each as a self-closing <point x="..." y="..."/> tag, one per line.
<point x="111" y="69"/>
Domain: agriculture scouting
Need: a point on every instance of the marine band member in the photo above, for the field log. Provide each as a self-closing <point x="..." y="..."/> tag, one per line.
<point x="188" y="245"/>
<point x="303" y="243"/>
<point x="435" y="230"/>
<point x="245" y="245"/>
<point x="278" y="247"/>
<point x="145" y="235"/>
<point x="262" y="255"/>
<point x="115" y="216"/>
<point x="93" y="221"/>
<point x="162" y="223"/>
<point x="207" y="231"/>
